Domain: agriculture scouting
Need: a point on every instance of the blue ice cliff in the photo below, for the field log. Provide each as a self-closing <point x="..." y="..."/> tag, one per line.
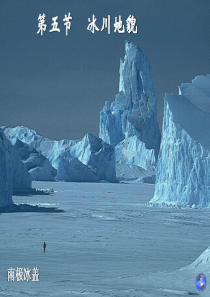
<point x="13" y="175"/>
<point x="130" y="123"/>
<point x="183" y="171"/>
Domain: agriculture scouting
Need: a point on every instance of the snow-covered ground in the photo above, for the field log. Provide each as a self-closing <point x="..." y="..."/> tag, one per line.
<point x="105" y="243"/>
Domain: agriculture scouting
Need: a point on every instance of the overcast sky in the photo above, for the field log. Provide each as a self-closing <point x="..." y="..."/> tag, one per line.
<point x="57" y="84"/>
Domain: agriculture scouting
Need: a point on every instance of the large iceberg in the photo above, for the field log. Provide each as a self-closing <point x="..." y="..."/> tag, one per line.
<point x="13" y="175"/>
<point x="6" y="179"/>
<point x="89" y="159"/>
<point x="183" y="171"/>
<point x="134" y="111"/>
<point x="130" y="123"/>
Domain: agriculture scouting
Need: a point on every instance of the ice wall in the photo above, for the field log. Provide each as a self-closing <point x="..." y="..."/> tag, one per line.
<point x="134" y="111"/>
<point x="183" y="171"/>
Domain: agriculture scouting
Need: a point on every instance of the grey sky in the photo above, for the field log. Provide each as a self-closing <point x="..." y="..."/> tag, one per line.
<point x="57" y="84"/>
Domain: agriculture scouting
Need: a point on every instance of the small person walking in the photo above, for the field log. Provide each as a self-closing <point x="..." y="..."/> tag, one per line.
<point x="44" y="246"/>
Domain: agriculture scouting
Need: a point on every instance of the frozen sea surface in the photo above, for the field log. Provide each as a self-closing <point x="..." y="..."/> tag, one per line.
<point x="105" y="243"/>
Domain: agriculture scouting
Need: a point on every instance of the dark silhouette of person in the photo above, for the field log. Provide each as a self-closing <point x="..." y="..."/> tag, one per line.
<point x="44" y="246"/>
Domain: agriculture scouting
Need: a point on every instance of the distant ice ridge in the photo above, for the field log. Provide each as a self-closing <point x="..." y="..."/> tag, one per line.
<point x="130" y="123"/>
<point x="183" y="171"/>
<point x="13" y="175"/>
<point x="89" y="159"/>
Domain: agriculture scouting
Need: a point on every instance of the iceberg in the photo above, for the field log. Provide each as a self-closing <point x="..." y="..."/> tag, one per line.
<point x="13" y="175"/>
<point x="130" y="123"/>
<point x="98" y="156"/>
<point x="89" y="157"/>
<point x="134" y="111"/>
<point x="37" y="165"/>
<point x="183" y="175"/>
<point x="6" y="178"/>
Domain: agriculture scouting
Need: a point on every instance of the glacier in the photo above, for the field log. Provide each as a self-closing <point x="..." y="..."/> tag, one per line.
<point x="183" y="175"/>
<point x="130" y="123"/>
<point x="88" y="159"/>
